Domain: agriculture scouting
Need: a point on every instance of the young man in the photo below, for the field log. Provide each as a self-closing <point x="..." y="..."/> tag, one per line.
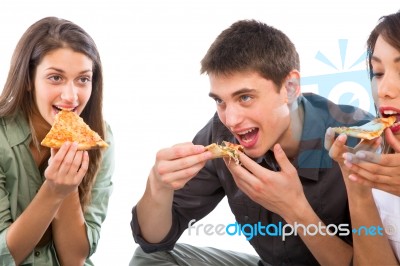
<point x="285" y="177"/>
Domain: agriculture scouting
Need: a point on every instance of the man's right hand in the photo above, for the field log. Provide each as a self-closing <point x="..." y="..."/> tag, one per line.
<point x="176" y="165"/>
<point x="173" y="168"/>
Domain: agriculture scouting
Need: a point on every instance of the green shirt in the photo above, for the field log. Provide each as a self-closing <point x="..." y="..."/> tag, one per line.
<point x="20" y="180"/>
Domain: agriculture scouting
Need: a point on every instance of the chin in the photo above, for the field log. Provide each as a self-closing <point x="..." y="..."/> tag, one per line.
<point x="254" y="153"/>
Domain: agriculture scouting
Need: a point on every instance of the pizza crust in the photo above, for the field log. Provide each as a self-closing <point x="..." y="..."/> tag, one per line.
<point x="370" y="130"/>
<point x="68" y="126"/>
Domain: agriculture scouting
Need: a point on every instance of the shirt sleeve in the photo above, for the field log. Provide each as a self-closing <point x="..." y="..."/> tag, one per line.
<point x="96" y="211"/>
<point x="194" y="201"/>
<point x="5" y="221"/>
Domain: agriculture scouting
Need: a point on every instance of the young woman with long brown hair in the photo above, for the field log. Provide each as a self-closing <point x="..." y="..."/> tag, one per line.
<point x="52" y="202"/>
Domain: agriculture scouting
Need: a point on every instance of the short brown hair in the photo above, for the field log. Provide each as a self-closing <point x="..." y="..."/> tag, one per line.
<point x="250" y="45"/>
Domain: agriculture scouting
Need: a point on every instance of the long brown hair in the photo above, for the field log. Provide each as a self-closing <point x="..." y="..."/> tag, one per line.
<point x="389" y="29"/>
<point x="46" y="35"/>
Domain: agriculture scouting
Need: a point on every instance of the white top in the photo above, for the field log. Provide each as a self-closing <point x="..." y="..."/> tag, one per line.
<point x="389" y="209"/>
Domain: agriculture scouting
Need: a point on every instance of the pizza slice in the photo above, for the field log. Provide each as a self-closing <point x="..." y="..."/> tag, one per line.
<point x="68" y="126"/>
<point x="370" y="130"/>
<point x="226" y="149"/>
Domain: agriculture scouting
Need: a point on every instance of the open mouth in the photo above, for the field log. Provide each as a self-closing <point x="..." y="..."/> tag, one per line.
<point x="248" y="137"/>
<point x="396" y="126"/>
<point x="59" y="108"/>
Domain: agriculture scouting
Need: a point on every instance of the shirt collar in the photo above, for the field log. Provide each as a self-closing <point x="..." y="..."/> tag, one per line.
<point x="308" y="161"/>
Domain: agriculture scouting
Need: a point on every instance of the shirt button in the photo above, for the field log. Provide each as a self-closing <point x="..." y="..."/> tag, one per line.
<point x="37" y="253"/>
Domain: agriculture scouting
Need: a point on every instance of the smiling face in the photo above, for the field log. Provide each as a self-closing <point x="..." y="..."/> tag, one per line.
<point x="63" y="80"/>
<point x="385" y="63"/>
<point x="251" y="107"/>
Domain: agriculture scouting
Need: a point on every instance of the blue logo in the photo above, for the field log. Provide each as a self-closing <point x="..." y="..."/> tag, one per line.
<point x="345" y="85"/>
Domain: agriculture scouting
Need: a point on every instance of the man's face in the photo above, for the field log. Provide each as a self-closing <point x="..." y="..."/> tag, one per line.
<point x="251" y="107"/>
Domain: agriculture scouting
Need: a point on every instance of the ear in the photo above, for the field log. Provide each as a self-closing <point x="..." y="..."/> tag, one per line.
<point x="292" y="84"/>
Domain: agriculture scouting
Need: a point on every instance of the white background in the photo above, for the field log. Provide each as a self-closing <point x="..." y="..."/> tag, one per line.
<point x="154" y="94"/>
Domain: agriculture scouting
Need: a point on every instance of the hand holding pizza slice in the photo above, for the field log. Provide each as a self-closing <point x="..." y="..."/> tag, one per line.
<point x="68" y="126"/>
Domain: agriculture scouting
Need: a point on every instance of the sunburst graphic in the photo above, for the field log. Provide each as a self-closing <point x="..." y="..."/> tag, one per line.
<point x="343" y="50"/>
<point x="344" y="85"/>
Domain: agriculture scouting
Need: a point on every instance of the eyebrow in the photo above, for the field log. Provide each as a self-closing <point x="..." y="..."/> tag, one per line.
<point x="62" y="71"/>
<point x="236" y="93"/>
<point x="375" y="58"/>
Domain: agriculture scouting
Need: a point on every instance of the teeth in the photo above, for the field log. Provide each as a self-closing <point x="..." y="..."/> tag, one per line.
<point x="245" y="132"/>
<point x="389" y="112"/>
<point x="67" y="109"/>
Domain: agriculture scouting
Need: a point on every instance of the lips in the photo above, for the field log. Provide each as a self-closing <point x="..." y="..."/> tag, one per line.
<point x="389" y="111"/>
<point x="68" y="108"/>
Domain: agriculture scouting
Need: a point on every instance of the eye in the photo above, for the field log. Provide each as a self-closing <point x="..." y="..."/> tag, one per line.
<point x="55" y="78"/>
<point x="245" y="98"/>
<point x="84" y="79"/>
<point x="218" y="101"/>
<point x="377" y="75"/>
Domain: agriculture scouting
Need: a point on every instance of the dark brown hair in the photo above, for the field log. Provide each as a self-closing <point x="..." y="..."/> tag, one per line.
<point x="249" y="45"/>
<point x="388" y="28"/>
<point x="42" y="37"/>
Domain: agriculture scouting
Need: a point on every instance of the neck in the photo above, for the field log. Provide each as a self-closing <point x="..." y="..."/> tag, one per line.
<point x="40" y="126"/>
<point x="291" y="140"/>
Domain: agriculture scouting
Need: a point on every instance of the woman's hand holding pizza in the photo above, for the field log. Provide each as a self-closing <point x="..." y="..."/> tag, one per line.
<point x="381" y="171"/>
<point x="337" y="147"/>
<point x="67" y="167"/>
<point x="278" y="192"/>
<point x="343" y="155"/>
<point x="176" y="165"/>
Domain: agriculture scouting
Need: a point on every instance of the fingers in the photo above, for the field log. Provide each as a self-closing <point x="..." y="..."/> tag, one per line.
<point x="245" y="174"/>
<point x="380" y="159"/>
<point x="283" y="161"/>
<point x="329" y="138"/>
<point x="369" y="164"/>
<point x="180" y="151"/>
<point x="378" y="183"/>
<point x="176" y="165"/>
<point x="369" y="145"/>
<point x="67" y="167"/>
<point x="391" y="140"/>
<point x="68" y="160"/>
<point x="180" y="157"/>
<point x="84" y="164"/>
<point x="338" y="147"/>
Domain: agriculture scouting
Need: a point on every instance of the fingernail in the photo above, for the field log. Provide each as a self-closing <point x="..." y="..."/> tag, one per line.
<point x="342" y="137"/>
<point x="352" y="177"/>
<point x="278" y="148"/>
<point x="361" y="155"/>
<point x="329" y="132"/>
<point x="347" y="164"/>
<point x="348" y="157"/>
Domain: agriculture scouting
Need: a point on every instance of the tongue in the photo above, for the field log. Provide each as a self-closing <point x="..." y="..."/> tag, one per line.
<point x="249" y="136"/>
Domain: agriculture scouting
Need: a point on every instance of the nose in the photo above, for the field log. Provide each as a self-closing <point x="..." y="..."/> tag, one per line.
<point x="388" y="87"/>
<point x="69" y="92"/>
<point x="233" y="116"/>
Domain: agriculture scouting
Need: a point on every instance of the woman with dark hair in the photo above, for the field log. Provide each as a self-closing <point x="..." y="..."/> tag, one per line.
<point x="373" y="178"/>
<point x="52" y="202"/>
